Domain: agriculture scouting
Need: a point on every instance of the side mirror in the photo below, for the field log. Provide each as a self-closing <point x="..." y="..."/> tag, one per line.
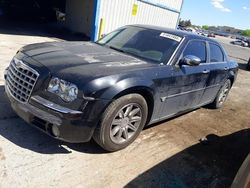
<point x="190" y="60"/>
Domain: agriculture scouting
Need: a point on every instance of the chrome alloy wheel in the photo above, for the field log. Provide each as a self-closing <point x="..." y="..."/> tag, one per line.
<point x="126" y="123"/>
<point x="224" y="93"/>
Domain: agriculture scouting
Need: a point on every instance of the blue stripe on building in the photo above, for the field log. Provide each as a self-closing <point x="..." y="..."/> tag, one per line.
<point x="95" y="23"/>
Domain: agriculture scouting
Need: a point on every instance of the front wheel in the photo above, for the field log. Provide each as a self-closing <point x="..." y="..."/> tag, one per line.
<point x="222" y="95"/>
<point x="121" y="122"/>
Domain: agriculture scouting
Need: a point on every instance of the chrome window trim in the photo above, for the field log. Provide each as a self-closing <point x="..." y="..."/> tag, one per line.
<point x="222" y="51"/>
<point x="191" y="40"/>
<point x="208" y="63"/>
<point x="177" y="48"/>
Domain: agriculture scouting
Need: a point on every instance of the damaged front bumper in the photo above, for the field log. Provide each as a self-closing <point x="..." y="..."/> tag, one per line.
<point x="57" y="121"/>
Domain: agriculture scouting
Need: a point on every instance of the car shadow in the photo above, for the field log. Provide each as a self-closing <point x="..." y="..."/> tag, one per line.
<point x="20" y="133"/>
<point x="41" y="29"/>
<point x="243" y="66"/>
<point x="213" y="162"/>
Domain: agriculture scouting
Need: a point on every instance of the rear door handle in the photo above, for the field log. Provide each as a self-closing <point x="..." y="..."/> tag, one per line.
<point x="205" y="71"/>
<point x="226" y="68"/>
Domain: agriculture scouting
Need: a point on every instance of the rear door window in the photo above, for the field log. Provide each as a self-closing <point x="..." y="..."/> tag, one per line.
<point x="216" y="54"/>
<point x="196" y="48"/>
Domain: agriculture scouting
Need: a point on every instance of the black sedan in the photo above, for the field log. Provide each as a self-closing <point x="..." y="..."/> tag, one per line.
<point x="109" y="90"/>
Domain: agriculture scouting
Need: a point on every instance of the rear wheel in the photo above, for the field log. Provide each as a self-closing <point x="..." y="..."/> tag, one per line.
<point x="222" y="95"/>
<point x="122" y="122"/>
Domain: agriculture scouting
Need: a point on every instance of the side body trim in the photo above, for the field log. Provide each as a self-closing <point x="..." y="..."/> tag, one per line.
<point x="187" y="92"/>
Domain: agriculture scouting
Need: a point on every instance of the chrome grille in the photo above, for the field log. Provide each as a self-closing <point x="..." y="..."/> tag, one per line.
<point x="21" y="80"/>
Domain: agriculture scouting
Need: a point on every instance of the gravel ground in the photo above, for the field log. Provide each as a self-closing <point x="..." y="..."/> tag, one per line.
<point x="167" y="154"/>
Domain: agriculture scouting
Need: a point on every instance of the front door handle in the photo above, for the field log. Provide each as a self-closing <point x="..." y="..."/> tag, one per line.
<point x="205" y="71"/>
<point x="226" y="68"/>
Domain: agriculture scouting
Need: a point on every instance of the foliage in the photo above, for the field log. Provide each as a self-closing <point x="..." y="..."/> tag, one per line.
<point x="246" y="33"/>
<point x="185" y="23"/>
<point x="205" y="27"/>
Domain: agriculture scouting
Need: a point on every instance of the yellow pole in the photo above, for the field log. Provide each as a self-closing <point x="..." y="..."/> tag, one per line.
<point x="101" y="28"/>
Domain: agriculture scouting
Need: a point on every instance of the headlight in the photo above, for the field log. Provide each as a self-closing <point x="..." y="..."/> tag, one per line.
<point x="66" y="90"/>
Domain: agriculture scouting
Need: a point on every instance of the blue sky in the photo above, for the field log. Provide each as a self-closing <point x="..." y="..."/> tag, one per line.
<point x="235" y="13"/>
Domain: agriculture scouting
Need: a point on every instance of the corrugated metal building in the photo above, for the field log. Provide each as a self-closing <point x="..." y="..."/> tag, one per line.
<point x="97" y="17"/>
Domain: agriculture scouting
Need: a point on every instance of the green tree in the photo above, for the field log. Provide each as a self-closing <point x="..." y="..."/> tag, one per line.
<point x="246" y="33"/>
<point x="185" y="23"/>
<point x="205" y="27"/>
<point x="188" y="23"/>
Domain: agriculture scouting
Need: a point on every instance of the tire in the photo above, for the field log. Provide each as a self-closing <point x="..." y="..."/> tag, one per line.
<point x="248" y="65"/>
<point x="222" y="95"/>
<point x="122" y="122"/>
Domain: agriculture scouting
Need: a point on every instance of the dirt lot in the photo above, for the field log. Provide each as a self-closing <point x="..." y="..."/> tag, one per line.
<point x="167" y="154"/>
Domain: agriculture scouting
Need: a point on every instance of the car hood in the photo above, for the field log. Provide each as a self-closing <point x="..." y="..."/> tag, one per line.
<point x="84" y="59"/>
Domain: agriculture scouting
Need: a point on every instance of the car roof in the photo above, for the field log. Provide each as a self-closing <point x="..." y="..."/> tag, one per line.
<point x="179" y="33"/>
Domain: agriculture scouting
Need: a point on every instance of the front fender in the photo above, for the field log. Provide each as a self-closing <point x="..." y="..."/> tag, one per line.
<point x="128" y="84"/>
<point x="109" y="87"/>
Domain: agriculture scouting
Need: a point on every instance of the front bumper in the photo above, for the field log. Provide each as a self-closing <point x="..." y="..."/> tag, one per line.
<point x="48" y="116"/>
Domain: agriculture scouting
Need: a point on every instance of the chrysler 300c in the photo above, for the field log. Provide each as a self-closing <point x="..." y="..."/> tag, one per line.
<point x="109" y="90"/>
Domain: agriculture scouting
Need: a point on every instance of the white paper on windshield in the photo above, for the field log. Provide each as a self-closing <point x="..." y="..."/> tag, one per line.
<point x="170" y="36"/>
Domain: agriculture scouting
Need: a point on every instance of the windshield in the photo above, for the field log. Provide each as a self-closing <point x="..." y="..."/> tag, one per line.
<point x="144" y="43"/>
